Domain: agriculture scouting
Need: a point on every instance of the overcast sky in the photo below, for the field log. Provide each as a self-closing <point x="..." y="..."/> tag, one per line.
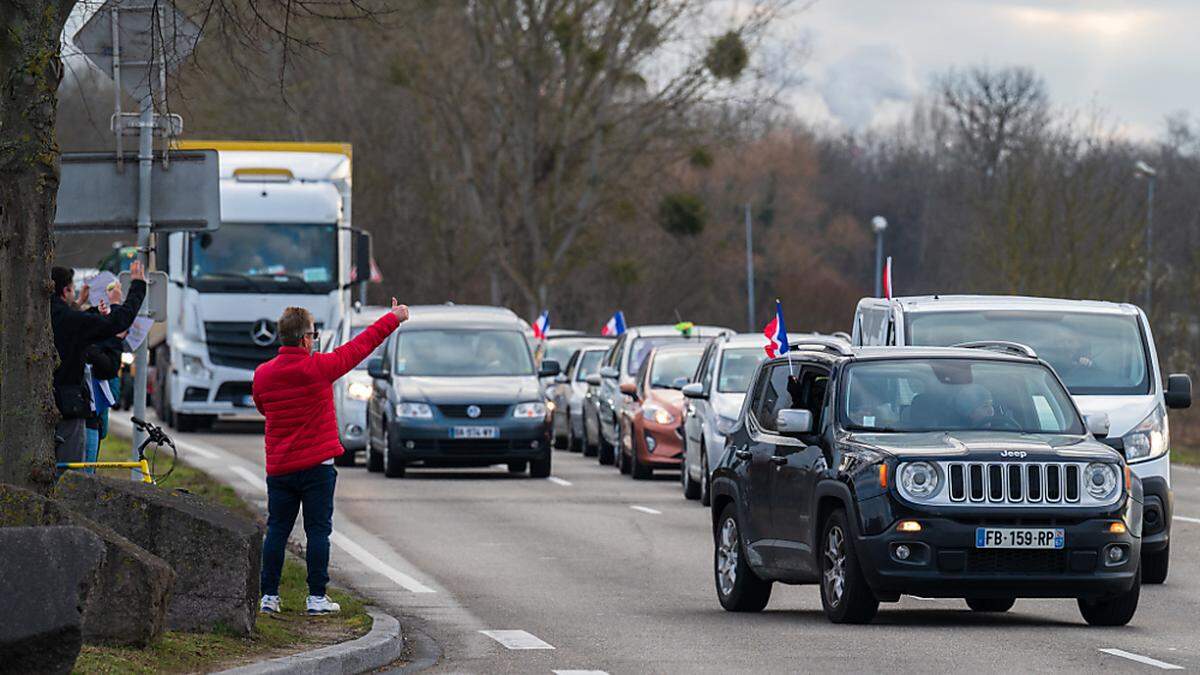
<point x="1137" y="60"/>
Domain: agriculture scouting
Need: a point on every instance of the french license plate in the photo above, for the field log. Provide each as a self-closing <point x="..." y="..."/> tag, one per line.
<point x="1020" y="537"/>
<point x="476" y="432"/>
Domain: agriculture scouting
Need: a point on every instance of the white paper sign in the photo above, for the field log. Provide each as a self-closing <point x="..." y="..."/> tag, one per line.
<point x="96" y="288"/>
<point x="138" y="332"/>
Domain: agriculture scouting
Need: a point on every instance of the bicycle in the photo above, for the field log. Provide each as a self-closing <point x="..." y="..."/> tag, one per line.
<point x="155" y="435"/>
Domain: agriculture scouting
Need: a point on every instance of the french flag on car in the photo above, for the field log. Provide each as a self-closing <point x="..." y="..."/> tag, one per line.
<point x="541" y="325"/>
<point x="615" y="325"/>
<point x="777" y="342"/>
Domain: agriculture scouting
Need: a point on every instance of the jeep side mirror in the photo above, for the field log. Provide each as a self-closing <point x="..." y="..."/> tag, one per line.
<point x="1179" y="391"/>
<point x="793" y="422"/>
<point x="693" y="390"/>
<point x="1097" y="424"/>
<point x="375" y="368"/>
<point x="549" y="368"/>
<point x="629" y="389"/>
<point x="609" y="372"/>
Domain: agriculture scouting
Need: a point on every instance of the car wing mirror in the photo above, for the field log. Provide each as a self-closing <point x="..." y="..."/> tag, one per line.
<point x="375" y="368"/>
<point x="794" y="422"/>
<point x="549" y="368"/>
<point x="1179" y="391"/>
<point x="561" y="378"/>
<point x="693" y="390"/>
<point x="609" y="372"/>
<point x="679" y="383"/>
<point x="1097" y="424"/>
<point x="629" y="389"/>
<point x="593" y="379"/>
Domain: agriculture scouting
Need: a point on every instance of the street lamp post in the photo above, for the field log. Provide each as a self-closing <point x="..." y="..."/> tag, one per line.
<point x="879" y="224"/>
<point x="1143" y="169"/>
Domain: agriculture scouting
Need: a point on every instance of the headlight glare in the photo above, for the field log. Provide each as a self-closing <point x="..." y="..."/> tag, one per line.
<point x="358" y="391"/>
<point x="1100" y="480"/>
<point x="919" y="480"/>
<point x="531" y="410"/>
<point x="1149" y="439"/>
<point x="413" y="410"/>
<point x="657" y="413"/>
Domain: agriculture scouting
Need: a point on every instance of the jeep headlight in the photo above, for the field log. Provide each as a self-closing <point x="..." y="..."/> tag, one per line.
<point x="1100" y="480"/>
<point x="531" y="410"/>
<point x="359" y="391"/>
<point x="1149" y="439"/>
<point x="653" y="411"/>
<point x="194" y="366"/>
<point x="919" y="480"/>
<point x="411" y="410"/>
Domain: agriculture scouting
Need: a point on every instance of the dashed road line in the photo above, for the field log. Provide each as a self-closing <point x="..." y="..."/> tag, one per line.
<point x="250" y="477"/>
<point x="1142" y="659"/>
<point x="579" y="672"/>
<point x="367" y="558"/>
<point x="1186" y="519"/>
<point x="646" y="509"/>
<point x="517" y="639"/>
<point x="558" y="481"/>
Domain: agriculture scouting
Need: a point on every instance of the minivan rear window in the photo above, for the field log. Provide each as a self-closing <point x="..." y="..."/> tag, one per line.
<point x="1099" y="354"/>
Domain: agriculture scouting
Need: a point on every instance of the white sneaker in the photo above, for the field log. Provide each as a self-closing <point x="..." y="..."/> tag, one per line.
<point x="321" y="604"/>
<point x="269" y="603"/>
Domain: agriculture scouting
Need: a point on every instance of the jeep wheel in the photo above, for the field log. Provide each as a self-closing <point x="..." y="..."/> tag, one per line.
<point x="1115" y="610"/>
<point x="1155" y="566"/>
<point x="738" y="588"/>
<point x="990" y="604"/>
<point x="844" y="591"/>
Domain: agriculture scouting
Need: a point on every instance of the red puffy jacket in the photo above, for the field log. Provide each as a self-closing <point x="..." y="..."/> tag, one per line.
<point x="294" y="392"/>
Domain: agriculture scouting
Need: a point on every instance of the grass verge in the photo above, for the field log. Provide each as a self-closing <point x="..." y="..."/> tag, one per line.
<point x="289" y="632"/>
<point x="1185" y="454"/>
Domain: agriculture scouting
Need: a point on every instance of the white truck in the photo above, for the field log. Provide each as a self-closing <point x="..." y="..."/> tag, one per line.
<point x="285" y="240"/>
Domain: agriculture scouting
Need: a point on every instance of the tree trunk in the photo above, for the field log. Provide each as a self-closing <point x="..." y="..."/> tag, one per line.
<point x="30" y="71"/>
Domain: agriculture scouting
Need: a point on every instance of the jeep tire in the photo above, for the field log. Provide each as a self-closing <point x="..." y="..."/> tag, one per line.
<point x="1116" y="610"/>
<point x="845" y="595"/>
<point x="739" y="589"/>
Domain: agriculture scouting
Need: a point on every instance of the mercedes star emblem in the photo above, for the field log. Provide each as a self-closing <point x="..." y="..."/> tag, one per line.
<point x="473" y="411"/>
<point x="263" y="333"/>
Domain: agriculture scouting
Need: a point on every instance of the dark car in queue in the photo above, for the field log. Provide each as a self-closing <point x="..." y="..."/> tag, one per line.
<point x="939" y="472"/>
<point x="457" y="387"/>
<point x="652" y="421"/>
<point x="562" y="388"/>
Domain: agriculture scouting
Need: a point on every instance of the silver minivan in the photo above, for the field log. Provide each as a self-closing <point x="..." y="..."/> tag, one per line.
<point x="1103" y="351"/>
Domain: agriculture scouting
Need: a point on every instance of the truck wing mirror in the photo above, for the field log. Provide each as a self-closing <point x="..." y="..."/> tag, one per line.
<point x="1097" y="424"/>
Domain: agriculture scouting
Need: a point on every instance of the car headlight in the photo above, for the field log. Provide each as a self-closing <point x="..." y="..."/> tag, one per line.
<point x="531" y="410"/>
<point x="919" y="480"/>
<point x="359" y="391"/>
<point x="194" y="366"/>
<point x="421" y="411"/>
<point x="725" y="424"/>
<point x="1149" y="439"/>
<point x="1100" y="480"/>
<point x="659" y="414"/>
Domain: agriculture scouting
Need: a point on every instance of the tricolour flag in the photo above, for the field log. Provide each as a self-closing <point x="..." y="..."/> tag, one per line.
<point x="541" y="325"/>
<point x="776" y="332"/>
<point x="615" y="325"/>
<point x="887" y="279"/>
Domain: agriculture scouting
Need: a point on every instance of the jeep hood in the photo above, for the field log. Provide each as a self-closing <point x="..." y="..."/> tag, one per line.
<point x="985" y="445"/>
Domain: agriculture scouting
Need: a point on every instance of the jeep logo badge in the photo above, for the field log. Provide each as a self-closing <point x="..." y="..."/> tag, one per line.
<point x="1019" y="454"/>
<point x="263" y="333"/>
<point x="473" y="411"/>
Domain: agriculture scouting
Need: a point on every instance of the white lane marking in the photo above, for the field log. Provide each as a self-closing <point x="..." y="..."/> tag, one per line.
<point x="1142" y="659"/>
<point x="646" y="509"/>
<point x="517" y="639"/>
<point x="1186" y="519"/>
<point x="250" y="477"/>
<point x="191" y="449"/>
<point x="558" y="481"/>
<point x="366" y="558"/>
<point x="579" y="672"/>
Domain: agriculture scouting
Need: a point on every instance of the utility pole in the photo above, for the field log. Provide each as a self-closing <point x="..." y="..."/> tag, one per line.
<point x="750" y="270"/>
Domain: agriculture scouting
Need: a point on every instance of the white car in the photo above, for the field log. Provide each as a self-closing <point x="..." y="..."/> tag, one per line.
<point x="1103" y="351"/>
<point x="351" y="392"/>
<point x="569" y="387"/>
<point x="712" y="403"/>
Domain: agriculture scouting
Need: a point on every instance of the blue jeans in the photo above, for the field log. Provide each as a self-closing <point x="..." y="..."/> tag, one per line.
<point x="313" y="489"/>
<point x="92" y="451"/>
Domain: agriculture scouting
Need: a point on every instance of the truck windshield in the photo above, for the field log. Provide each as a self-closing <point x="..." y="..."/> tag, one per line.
<point x="265" y="258"/>
<point x="1092" y="353"/>
<point x="462" y="353"/>
<point x="918" y="395"/>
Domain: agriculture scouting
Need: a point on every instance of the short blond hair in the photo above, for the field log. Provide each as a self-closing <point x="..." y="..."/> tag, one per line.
<point x="293" y="324"/>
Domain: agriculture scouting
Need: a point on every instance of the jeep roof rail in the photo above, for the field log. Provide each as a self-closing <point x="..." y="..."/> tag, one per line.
<point x="1003" y="346"/>
<point x="822" y="343"/>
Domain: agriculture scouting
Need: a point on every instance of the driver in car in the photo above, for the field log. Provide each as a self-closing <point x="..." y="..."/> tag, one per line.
<point x="978" y="410"/>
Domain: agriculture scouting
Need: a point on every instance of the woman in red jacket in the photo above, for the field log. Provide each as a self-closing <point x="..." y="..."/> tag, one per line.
<point x="294" y="392"/>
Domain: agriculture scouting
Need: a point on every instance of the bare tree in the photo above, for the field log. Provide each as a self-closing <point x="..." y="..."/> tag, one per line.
<point x="995" y="111"/>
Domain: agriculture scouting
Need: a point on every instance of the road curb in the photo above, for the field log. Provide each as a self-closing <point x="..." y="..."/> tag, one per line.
<point x="383" y="645"/>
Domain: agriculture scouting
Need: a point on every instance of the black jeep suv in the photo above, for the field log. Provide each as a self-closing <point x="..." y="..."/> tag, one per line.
<point x="942" y="472"/>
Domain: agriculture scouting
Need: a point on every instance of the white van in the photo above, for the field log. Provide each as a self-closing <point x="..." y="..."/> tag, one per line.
<point x="1103" y="351"/>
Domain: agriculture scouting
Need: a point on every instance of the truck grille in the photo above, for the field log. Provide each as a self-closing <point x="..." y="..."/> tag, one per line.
<point x="1015" y="482"/>
<point x="230" y="344"/>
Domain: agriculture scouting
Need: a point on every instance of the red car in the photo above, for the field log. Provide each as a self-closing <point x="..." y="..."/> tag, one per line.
<point x="652" y="421"/>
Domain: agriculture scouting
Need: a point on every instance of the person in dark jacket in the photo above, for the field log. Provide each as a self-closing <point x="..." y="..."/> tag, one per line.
<point x="74" y="332"/>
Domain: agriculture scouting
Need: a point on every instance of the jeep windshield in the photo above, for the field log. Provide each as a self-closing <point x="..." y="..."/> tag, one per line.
<point x="952" y="394"/>
<point x="462" y="353"/>
<point x="1092" y="353"/>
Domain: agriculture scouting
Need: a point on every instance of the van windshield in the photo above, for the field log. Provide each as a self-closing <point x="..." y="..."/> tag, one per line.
<point x="917" y="395"/>
<point x="462" y="353"/>
<point x="1092" y="353"/>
